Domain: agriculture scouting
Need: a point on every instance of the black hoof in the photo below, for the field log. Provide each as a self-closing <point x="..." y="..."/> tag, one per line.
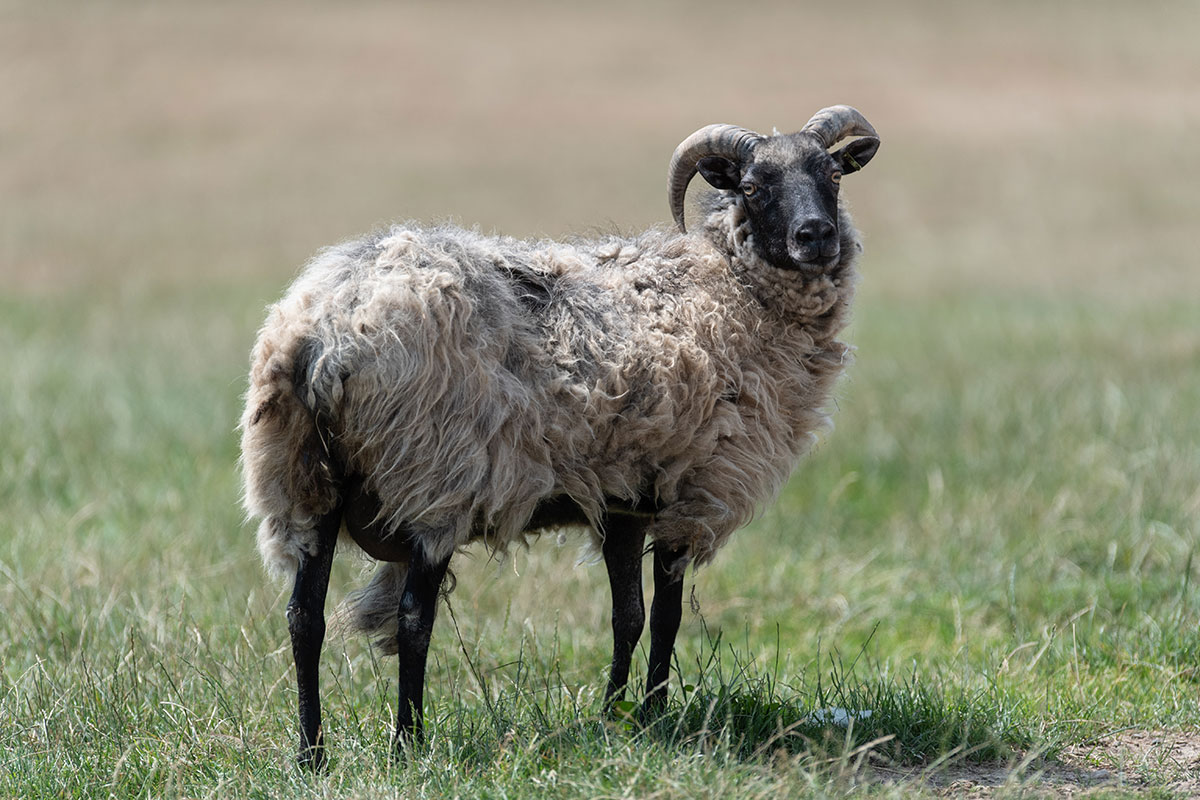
<point x="312" y="759"/>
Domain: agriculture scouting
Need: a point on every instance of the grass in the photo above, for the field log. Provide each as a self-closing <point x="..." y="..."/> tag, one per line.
<point x="989" y="573"/>
<point x="993" y="553"/>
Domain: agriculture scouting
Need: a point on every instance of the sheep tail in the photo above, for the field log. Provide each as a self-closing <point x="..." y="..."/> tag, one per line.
<point x="374" y="610"/>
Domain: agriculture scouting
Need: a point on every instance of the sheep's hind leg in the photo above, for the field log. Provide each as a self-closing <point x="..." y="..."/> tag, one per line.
<point x="665" y="612"/>
<point x="623" y="548"/>
<point x="418" y="607"/>
<point x="306" y="624"/>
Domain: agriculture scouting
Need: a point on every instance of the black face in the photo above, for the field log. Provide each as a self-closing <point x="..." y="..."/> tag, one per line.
<point x="793" y="211"/>
<point x="790" y="193"/>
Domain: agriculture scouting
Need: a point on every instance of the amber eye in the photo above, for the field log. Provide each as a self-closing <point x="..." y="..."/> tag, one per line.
<point x="836" y="177"/>
<point x="749" y="189"/>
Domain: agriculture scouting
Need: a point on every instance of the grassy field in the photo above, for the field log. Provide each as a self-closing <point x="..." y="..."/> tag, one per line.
<point x="993" y="553"/>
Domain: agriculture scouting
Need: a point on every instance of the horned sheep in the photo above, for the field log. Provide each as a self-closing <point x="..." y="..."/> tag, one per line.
<point x="421" y="388"/>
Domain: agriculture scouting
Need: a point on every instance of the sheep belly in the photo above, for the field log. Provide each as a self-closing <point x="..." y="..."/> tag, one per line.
<point x="361" y="518"/>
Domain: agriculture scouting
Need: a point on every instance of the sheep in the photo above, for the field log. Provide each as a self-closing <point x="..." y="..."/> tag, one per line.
<point x="422" y="388"/>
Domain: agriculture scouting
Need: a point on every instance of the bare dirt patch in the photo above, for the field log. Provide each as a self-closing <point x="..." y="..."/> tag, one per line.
<point x="1170" y="759"/>
<point x="1136" y="761"/>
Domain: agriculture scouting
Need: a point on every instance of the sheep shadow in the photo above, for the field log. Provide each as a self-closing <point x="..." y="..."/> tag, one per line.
<point x="847" y="711"/>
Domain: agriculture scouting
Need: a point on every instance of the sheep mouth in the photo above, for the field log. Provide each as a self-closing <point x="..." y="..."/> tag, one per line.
<point x="813" y="260"/>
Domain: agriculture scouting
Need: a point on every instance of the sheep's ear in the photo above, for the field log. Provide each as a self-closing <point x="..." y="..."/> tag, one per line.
<point x="855" y="155"/>
<point x="721" y="173"/>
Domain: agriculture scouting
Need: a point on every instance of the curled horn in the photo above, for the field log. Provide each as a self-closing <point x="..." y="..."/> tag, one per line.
<point x="831" y="125"/>
<point x="728" y="141"/>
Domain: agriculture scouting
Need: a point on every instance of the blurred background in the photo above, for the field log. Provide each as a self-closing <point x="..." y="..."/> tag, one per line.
<point x="1026" y="144"/>
<point x="1017" y="444"/>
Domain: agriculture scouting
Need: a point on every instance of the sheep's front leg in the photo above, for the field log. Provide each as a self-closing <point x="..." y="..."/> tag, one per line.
<point x="418" y="607"/>
<point x="665" y="613"/>
<point x="623" y="549"/>
<point x="306" y="624"/>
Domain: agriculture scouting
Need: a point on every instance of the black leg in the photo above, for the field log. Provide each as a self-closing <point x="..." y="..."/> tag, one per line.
<point x="418" y="607"/>
<point x="306" y="624"/>
<point x="665" y="612"/>
<point x="623" y="547"/>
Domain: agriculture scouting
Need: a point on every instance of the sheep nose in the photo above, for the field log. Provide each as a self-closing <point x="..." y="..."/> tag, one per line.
<point x="815" y="232"/>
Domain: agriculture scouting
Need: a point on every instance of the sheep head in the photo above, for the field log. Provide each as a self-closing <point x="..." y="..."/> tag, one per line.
<point x="787" y="183"/>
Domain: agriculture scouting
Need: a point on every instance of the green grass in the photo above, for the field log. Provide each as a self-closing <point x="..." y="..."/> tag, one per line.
<point x="993" y="553"/>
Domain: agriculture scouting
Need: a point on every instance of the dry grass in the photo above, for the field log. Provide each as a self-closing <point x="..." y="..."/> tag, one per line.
<point x="1042" y="145"/>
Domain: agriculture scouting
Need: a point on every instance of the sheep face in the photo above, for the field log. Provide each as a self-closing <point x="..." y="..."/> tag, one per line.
<point x="789" y="190"/>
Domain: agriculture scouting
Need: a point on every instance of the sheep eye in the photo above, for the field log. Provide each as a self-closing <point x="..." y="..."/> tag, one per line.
<point x="749" y="189"/>
<point x="836" y="177"/>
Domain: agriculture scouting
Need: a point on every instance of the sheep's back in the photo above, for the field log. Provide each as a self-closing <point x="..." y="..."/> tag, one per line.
<point x="442" y="379"/>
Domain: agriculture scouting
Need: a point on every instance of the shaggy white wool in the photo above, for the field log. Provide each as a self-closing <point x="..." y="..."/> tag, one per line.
<point x="467" y="378"/>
